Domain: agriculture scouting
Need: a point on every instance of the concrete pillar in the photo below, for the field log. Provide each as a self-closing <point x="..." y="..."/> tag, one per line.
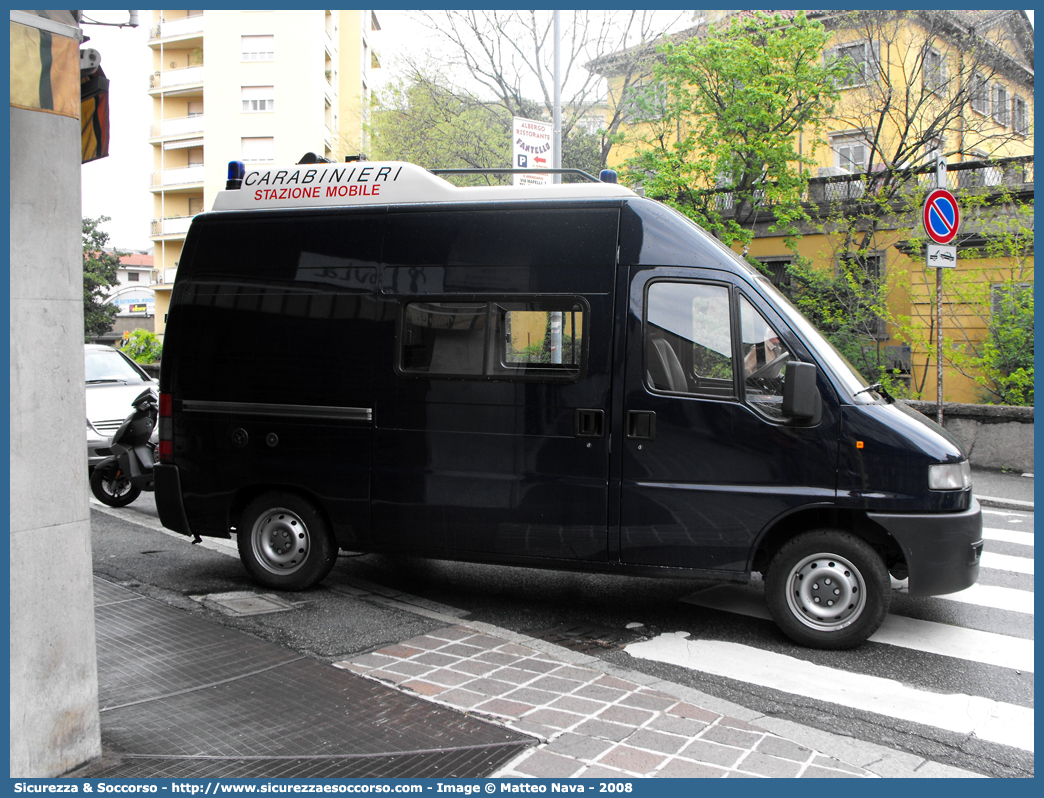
<point x="54" y="682"/>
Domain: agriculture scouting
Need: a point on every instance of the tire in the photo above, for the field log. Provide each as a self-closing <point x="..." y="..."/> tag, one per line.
<point x="110" y="486"/>
<point x="284" y="542"/>
<point x="845" y="568"/>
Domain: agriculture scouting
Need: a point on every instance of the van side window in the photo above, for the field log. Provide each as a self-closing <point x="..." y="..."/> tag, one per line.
<point x="539" y="338"/>
<point x="688" y="339"/>
<point x="445" y="337"/>
<point x="765" y="357"/>
<point x="506" y="339"/>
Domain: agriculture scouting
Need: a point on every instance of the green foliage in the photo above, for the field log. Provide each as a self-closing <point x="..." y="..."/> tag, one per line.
<point x="1006" y="356"/>
<point x="724" y="112"/>
<point x="99" y="274"/>
<point x="142" y="346"/>
<point x="420" y="119"/>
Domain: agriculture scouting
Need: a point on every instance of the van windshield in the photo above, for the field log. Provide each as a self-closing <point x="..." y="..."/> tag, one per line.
<point x="838" y="364"/>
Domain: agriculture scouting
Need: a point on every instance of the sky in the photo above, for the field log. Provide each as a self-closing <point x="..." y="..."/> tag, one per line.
<point x="117" y="186"/>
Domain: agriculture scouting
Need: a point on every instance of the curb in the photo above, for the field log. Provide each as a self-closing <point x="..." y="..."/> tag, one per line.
<point x="1005" y="504"/>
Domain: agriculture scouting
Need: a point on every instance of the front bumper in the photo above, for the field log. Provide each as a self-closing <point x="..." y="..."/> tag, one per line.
<point x="942" y="550"/>
<point x="97" y="448"/>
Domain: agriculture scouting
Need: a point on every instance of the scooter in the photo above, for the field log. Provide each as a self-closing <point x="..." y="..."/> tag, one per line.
<point x="120" y="479"/>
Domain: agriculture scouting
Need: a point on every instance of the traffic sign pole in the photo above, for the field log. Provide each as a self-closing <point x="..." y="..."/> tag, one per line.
<point x="941" y="218"/>
<point x="938" y="348"/>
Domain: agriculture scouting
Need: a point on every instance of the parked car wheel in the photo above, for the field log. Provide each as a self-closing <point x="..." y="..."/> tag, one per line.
<point x="284" y="542"/>
<point x="112" y="487"/>
<point x="828" y="589"/>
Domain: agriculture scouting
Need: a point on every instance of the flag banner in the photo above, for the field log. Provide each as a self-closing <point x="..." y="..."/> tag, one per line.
<point x="45" y="71"/>
<point x="94" y="117"/>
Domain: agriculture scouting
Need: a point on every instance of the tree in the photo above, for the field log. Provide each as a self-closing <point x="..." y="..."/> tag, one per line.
<point x="510" y="55"/>
<point x="718" y="128"/>
<point x="99" y="275"/>
<point x="917" y="88"/>
<point x="142" y="346"/>
<point x="423" y="119"/>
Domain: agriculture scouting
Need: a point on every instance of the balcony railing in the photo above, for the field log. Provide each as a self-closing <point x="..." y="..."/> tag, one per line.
<point x="171" y="78"/>
<point x="990" y="176"/>
<point x="174" y="225"/>
<point x="176" y="177"/>
<point x="177" y="27"/>
<point x="178" y="126"/>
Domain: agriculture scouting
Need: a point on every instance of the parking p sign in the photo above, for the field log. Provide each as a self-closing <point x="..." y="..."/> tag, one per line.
<point x="942" y="217"/>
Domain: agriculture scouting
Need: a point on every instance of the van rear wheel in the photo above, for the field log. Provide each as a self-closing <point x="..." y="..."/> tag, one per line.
<point x="284" y="542"/>
<point x="828" y="589"/>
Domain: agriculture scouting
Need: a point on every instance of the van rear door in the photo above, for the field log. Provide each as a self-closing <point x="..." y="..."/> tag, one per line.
<point x="708" y="461"/>
<point x="490" y="424"/>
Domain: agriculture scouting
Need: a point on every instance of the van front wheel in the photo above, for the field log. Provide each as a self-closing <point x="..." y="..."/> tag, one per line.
<point x="285" y="543"/>
<point x="828" y="589"/>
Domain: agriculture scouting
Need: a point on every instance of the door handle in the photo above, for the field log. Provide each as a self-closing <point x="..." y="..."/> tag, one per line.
<point x="641" y="424"/>
<point x="589" y="423"/>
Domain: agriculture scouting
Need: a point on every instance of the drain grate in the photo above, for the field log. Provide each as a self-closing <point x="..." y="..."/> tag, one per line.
<point x="584" y="637"/>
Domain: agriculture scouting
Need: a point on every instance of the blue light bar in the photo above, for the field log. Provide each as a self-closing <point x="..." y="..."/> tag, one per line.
<point x="236" y="171"/>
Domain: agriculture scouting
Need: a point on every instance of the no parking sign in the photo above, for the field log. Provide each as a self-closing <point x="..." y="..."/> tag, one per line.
<point x="942" y="217"/>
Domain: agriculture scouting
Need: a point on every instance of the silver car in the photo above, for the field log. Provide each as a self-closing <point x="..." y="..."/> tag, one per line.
<point x="113" y="381"/>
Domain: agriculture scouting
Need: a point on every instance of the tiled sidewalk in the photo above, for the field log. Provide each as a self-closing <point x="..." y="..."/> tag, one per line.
<point x="591" y="724"/>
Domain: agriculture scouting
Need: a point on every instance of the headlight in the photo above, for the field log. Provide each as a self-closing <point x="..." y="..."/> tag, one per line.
<point x="950" y="476"/>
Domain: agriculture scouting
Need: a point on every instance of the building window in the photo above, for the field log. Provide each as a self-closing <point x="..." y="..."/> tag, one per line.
<point x="934" y="72"/>
<point x="861" y="59"/>
<point x="980" y="95"/>
<point x="195" y="205"/>
<point x="646" y="101"/>
<point x="778" y="271"/>
<point x="258" y="98"/>
<point x="258" y="48"/>
<point x="867" y="272"/>
<point x="132" y="277"/>
<point x="195" y="156"/>
<point x="195" y="108"/>
<point x="1007" y="298"/>
<point x="1020" y="119"/>
<point x="850" y="153"/>
<point x="1000" y="104"/>
<point x="259" y="149"/>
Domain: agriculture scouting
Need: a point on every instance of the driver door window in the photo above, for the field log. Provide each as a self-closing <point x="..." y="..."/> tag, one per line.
<point x="764" y="361"/>
<point x="688" y="339"/>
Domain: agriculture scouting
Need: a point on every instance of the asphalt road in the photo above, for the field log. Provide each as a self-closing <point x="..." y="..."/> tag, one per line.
<point x="735" y="652"/>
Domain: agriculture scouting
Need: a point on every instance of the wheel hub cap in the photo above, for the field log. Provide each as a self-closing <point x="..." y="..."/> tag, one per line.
<point x="826" y="592"/>
<point x="280" y="541"/>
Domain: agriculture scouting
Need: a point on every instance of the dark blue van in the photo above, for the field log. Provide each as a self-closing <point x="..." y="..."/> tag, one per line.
<point x="364" y="357"/>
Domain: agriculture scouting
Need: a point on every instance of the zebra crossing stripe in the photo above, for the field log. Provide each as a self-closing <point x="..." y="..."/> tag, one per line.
<point x="997" y="598"/>
<point x="1006" y="562"/>
<point x="1008" y="536"/>
<point x="991" y="721"/>
<point x="929" y="637"/>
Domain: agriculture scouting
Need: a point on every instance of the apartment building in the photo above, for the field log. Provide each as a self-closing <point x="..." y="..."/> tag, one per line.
<point x="257" y="86"/>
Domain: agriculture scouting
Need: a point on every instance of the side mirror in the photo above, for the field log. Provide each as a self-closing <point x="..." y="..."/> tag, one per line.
<point x="801" y="399"/>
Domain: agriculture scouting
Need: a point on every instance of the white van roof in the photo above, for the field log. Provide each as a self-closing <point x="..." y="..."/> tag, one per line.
<point x="381" y="183"/>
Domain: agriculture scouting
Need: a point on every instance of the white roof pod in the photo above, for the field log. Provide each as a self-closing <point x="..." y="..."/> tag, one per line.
<point x="317" y="185"/>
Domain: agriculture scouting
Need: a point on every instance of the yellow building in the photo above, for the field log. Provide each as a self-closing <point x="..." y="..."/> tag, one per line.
<point x="956" y="84"/>
<point x="257" y="86"/>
